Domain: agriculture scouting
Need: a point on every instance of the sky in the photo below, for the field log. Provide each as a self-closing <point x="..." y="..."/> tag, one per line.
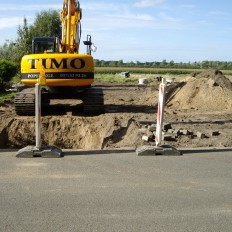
<point x="140" y="30"/>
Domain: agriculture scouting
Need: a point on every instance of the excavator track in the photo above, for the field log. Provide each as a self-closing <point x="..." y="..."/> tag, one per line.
<point x="25" y="102"/>
<point x="93" y="101"/>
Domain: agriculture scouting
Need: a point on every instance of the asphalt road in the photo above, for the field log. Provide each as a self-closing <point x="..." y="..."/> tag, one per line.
<point x="116" y="192"/>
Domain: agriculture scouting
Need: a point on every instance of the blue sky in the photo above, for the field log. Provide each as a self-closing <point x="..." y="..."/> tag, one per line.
<point x="141" y="30"/>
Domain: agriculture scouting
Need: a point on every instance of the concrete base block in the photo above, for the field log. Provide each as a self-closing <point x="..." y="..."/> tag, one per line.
<point x="166" y="150"/>
<point x="44" y="152"/>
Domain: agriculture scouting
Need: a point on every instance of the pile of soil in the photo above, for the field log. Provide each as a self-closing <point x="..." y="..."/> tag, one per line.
<point x="209" y="90"/>
<point x="73" y="132"/>
<point x="202" y="103"/>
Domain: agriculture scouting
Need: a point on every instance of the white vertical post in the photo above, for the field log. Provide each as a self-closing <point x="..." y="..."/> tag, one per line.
<point x="69" y="7"/>
<point x="38" y="115"/>
<point x="160" y="112"/>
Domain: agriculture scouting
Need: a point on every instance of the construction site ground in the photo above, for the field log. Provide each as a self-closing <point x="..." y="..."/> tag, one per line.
<point x="198" y="111"/>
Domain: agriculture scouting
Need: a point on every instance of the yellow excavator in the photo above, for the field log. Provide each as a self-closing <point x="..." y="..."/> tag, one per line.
<point x="69" y="75"/>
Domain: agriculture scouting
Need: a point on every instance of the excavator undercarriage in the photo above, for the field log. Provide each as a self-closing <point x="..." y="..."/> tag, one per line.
<point x="92" y="98"/>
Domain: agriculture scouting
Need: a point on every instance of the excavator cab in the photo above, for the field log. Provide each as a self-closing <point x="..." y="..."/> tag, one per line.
<point x="46" y="45"/>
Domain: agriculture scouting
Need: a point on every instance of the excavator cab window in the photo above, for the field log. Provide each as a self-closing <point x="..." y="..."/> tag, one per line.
<point x="44" y="44"/>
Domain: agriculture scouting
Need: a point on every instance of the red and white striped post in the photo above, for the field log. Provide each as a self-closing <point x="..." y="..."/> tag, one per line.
<point x="160" y="112"/>
<point x="159" y="149"/>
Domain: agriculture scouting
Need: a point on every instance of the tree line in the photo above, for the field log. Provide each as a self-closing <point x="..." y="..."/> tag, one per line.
<point x="223" y="65"/>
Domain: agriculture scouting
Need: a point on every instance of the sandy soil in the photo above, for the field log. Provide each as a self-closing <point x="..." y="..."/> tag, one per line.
<point x="200" y="104"/>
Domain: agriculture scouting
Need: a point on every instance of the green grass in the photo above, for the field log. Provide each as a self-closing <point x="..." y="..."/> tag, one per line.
<point x="16" y="79"/>
<point x="113" y="78"/>
<point x="117" y="70"/>
<point x="134" y="77"/>
<point x="171" y="71"/>
<point x="6" y="96"/>
<point x="113" y="74"/>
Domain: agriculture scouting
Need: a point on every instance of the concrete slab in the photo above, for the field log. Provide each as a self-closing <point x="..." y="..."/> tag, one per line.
<point x="166" y="150"/>
<point x="45" y="152"/>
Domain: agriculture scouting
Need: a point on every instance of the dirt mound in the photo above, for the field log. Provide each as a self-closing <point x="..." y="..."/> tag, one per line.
<point x="209" y="90"/>
<point x="72" y="132"/>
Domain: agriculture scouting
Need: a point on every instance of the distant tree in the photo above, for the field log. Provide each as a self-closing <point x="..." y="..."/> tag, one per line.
<point x="138" y="63"/>
<point x="163" y="64"/>
<point x="146" y="64"/>
<point x="171" y="64"/>
<point x="13" y="50"/>
<point x="47" y="23"/>
<point x="229" y="65"/>
<point x="113" y="63"/>
<point x="103" y="63"/>
<point x="8" y="69"/>
<point x="97" y="63"/>
<point x="120" y="63"/>
<point x="195" y="65"/>
<point x="205" y="64"/>
<point x="8" y="51"/>
<point x="131" y="64"/>
<point x="23" y="41"/>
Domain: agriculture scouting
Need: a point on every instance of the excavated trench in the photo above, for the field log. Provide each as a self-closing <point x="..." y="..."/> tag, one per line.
<point x="70" y="132"/>
<point x="195" y="103"/>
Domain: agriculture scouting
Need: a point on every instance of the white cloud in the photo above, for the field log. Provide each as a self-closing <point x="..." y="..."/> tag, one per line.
<point x="164" y="17"/>
<point x="118" y="24"/>
<point x="130" y="16"/>
<point x="37" y="7"/>
<point x="188" y="6"/>
<point x="10" y="22"/>
<point x="28" y="7"/>
<point x="99" y="6"/>
<point x="147" y="3"/>
<point x="218" y="13"/>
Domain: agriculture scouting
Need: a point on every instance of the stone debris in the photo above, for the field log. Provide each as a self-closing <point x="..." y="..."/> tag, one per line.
<point x="215" y="133"/>
<point x="167" y="126"/>
<point x="200" y="135"/>
<point x="173" y="134"/>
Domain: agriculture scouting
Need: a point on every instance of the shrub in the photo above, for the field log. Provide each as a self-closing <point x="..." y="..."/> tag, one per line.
<point x="8" y="70"/>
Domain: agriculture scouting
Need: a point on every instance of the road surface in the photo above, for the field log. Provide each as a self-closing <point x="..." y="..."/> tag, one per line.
<point x="116" y="192"/>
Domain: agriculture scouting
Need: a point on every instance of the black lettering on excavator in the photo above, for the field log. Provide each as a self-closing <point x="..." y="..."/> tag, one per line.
<point x="57" y="65"/>
<point x="60" y="75"/>
<point x="44" y="63"/>
<point x="76" y="63"/>
<point x="33" y="66"/>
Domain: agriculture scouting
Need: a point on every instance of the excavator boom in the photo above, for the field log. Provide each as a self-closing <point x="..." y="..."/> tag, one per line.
<point x="71" y="17"/>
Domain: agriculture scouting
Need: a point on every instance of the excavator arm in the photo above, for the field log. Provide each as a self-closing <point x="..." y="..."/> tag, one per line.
<point x="71" y="17"/>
